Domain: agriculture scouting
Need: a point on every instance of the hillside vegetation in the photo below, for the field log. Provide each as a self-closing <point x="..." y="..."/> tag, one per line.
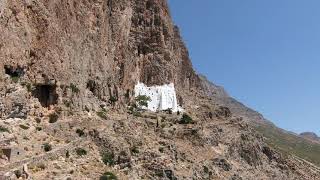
<point x="290" y="144"/>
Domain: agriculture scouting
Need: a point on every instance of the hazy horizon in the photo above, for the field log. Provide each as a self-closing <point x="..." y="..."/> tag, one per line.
<point x="264" y="53"/>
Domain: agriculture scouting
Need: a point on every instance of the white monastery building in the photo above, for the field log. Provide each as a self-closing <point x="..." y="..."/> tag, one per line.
<point x="162" y="97"/>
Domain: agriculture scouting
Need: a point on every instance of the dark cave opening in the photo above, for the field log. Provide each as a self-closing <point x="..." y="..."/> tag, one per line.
<point x="14" y="71"/>
<point x="92" y="86"/>
<point x="46" y="94"/>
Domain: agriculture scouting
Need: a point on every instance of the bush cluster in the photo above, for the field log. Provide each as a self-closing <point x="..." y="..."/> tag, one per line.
<point x="53" y="118"/>
<point x="81" y="152"/>
<point x="47" y="147"/>
<point x="108" y="159"/>
<point x="186" y="119"/>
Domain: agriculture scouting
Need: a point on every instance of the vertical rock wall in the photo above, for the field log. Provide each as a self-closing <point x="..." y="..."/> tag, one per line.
<point x="104" y="47"/>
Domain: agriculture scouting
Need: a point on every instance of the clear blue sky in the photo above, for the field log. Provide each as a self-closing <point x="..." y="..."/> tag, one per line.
<point x="266" y="53"/>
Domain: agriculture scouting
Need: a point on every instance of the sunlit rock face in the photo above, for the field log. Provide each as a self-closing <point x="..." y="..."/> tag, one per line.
<point x="161" y="97"/>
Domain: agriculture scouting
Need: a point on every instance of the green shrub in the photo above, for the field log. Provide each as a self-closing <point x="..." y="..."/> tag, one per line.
<point x="102" y="114"/>
<point x="163" y="125"/>
<point x="113" y="99"/>
<point x="161" y="149"/>
<point x="38" y="128"/>
<point x="142" y="100"/>
<point x="18" y="173"/>
<point x="38" y="120"/>
<point x="15" y="79"/>
<point x="136" y="113"/>
<point x="29" y="87"/>
<point x="3" y="129"/>
<point x="80" y="132"/>
<point x="186" y="119"/>
<point x="22" y="126"/>
<point x="74" y="88"/>
<point x="47" y="147"/>
<point x="169" y="111"/>
<point x="81" y="152"/>
<point x="53" y="118"/>
<point x="108" y="176"/>
<point x="67" y="103"/>
<point x="108" y="159"/>
<point x="135" y="150"/>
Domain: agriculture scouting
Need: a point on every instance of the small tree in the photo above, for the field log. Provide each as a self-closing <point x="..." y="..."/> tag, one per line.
<point x="74" y="88"/>
<point x="142" y="100"/>
<point x="47" y="147"/>
<point x="53" y="118"/>
<point x="108" y="159"/>
<point x="113" y="100"/>
<point x="80" y="132"/>
<point x="186" y="119"/>
<point x="3" y="129"/>
<point x="81" y="152"/>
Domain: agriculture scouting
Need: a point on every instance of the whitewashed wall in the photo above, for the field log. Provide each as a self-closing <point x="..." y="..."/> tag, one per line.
<point x="162" y="97"/>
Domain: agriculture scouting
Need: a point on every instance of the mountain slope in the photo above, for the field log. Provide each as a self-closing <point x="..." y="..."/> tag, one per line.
<point x="311" y="136"/>
<point x="67" y="72"/>
<point x="306" y="148"/>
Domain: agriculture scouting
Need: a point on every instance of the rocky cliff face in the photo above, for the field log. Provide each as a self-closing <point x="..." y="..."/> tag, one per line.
<point x="104" y="46"/>
<point x="67" y="70"/>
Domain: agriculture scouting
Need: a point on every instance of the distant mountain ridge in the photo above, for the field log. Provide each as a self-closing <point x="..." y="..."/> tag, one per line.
<point x="311" y="136"/>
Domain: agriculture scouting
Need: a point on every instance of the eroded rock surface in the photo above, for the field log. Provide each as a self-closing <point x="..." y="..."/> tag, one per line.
<point x="67" y="73"/>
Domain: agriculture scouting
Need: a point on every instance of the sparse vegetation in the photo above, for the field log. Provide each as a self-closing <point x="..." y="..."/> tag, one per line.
<point x="136" y="113"/>
<point x="134" y="110"/>
<point x="29" y="87"/>
<point x="161" y="149"/>
<point x="186" y="119"/>
<point x="169" y="111"/>
<point x="38" y="128"/>
<point x="15" y="79"/>
<point x="74" y="88"/>
<point x="113" y="100"/>
<point x="142" y="101"/>
<point x="102" y="114"/>
<point x="81" y="152"/>
<point x="135" y="150"/>
<point x="108" y="159"/>
<point x="22" y="126"/>
<point x="38" y="120"/>
<point x="3" y="129"/>
<point x="18" y="173"/>
<point x="67" y="103"/>
<point x="53" y="118"/>
<point x="80" y="132"/>
<point x="108" y="176"/>
<point x="290" y="144"/>
<point x="47" y="147"/>
<point x="163" y="125"/>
